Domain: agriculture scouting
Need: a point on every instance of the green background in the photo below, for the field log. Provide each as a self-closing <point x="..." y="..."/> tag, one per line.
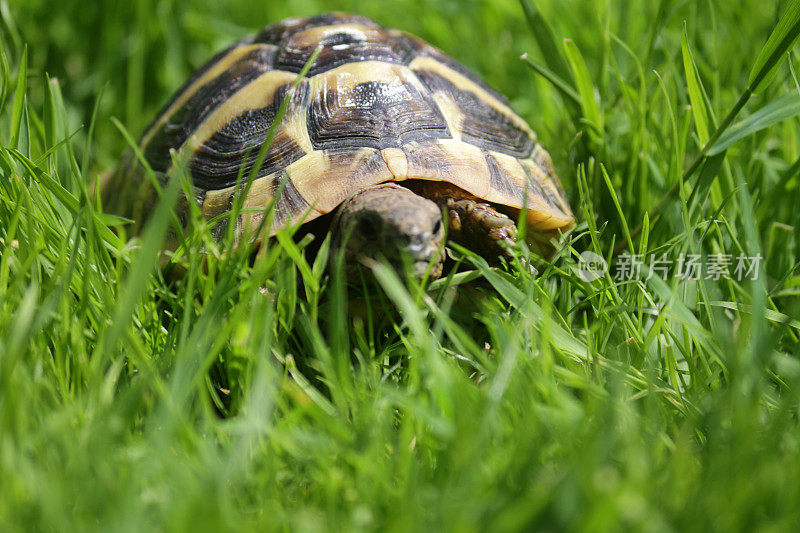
<point x="497" y="399"/>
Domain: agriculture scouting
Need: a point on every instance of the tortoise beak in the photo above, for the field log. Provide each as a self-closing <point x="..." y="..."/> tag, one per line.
<point x="423" y="247"/>
<point x="432" y="264"/>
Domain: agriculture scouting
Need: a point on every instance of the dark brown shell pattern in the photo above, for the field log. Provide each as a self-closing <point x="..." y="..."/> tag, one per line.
<point x="377" y="105"/>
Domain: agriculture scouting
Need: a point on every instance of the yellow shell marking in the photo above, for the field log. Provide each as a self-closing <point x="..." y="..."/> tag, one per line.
<point x="452" y="114"/>
<point x="221" y="66"/>
<point x="314" y="36"/>
<point x="465" y="84"/>
<point x="396" y="161"/>
<point x="325" y="183"/>
<point x="256" y="95"/>
<point x="463" y="165"/>
<point x="217" y="202"/>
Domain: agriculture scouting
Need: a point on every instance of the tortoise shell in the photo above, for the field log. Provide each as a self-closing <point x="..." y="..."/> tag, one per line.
<point x="377" y="105"/>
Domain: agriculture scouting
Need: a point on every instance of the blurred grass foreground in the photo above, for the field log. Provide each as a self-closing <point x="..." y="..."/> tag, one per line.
<point x="646" y="379"/>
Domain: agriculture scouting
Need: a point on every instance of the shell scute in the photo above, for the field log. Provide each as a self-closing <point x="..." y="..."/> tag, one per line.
<point x="235" y="147"/>
<point x="341" y="44"/>
<point x="378" y="105"/>
<point x="481" y="124"/>
<point x="373" y="105"/>
<point x="200" y="96"/>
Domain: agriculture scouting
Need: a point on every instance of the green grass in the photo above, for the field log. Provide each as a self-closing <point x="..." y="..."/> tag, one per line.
<point x="229" y="400"/>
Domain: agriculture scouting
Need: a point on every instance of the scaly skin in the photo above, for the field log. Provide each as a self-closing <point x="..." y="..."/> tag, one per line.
<point x="474" y="224"/>
<point x="481" y="228"/>
<point x="390" y="221"/>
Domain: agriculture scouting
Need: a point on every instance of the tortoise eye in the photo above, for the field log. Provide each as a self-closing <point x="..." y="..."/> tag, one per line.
<point x="437" y="227"/>
<point x="369" y="227"/>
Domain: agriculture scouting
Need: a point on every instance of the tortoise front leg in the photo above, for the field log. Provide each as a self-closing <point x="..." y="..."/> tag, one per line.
<point x="480" y="227"/>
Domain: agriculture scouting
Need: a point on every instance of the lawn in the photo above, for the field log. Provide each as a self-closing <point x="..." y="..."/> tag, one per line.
<point x="659" y="394"/>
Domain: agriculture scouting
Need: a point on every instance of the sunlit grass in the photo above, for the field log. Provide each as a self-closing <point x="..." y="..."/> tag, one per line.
<point x="266" y="392"/>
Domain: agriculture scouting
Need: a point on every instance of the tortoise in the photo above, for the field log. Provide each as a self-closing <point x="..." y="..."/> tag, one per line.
<point x="384" y="133"/>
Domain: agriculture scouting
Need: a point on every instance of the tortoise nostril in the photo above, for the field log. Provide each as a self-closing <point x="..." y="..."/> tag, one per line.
<point x="411" y="234"/>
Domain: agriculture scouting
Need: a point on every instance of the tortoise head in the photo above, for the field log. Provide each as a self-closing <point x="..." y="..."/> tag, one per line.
<point x="389" y="221"/>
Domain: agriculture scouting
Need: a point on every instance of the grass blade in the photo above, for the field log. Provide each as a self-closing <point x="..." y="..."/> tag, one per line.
<point x="696" y="93"/>
<point x="558" y="82"/>
<point x="5" y="78"/>
<point x="136" y="282"/>
<point x="541" y="31"/>
<point x="591" y="111"/>
<point x="780" y="41"/>
<point x="783" y="108"/>
<point x="19" y="100"/>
